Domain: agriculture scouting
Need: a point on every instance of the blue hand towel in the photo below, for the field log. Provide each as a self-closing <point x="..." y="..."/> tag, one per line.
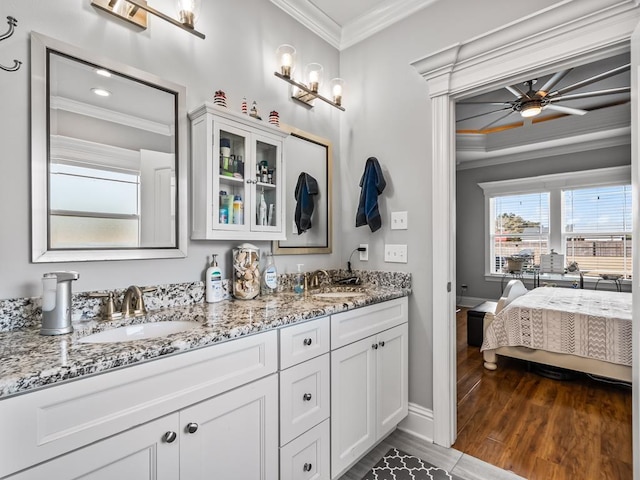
<point x="372" y="184"/>
<point x="306" y="187"/>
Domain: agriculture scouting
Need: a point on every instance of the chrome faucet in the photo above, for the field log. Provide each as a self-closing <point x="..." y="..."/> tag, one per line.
<point x="314" y="281"/>
<point x="133" y="302"/>
<point x="56" y="302"/>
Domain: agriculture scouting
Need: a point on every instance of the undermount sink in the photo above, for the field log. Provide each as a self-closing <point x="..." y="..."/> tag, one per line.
<point x="338" y="294"/>
<point x="141" y="331"/>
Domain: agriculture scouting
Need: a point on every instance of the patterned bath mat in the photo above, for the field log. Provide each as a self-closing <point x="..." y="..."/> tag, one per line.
<point x="397" y="465"/>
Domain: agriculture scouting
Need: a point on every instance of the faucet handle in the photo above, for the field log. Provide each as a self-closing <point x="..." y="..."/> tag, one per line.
<point x="148" y="289"/>
<point x="111" y="312"/>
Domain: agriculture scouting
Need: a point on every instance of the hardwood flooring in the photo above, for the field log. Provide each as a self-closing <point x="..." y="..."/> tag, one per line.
<point x="537" y="427"/>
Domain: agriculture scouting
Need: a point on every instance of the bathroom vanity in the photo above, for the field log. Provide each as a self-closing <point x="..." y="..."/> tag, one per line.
<point x="280" y="387"/>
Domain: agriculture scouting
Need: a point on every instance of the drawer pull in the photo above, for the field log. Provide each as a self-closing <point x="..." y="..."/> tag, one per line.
<point x="306" y="397"/>
<point x="169" y="437"/>
<point x="307" y="467"/>
<point x="374" y="346"/>
<point x="381" y="343"/>
<point x="307" y="341"/>
<point x="192" y="427"/>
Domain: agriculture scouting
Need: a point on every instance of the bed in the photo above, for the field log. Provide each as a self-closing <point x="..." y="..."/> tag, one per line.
<point x="582" y="330"/>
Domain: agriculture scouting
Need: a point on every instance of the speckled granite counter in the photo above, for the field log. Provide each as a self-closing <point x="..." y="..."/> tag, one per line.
<point x="29" y="360"/>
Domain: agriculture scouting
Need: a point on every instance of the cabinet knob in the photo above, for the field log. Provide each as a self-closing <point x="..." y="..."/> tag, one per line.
<point x="381" y="343"/>
<point x="307" y="341"/>
<point x="307" y="467"/>
<point x="169" y="437"/>
<point x="192" y="427"/>
<point x="374" y="346"/>
<point x="306" y="397"/>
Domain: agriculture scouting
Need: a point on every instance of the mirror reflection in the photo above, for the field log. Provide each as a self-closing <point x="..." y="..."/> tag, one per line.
<point x="111" y="161"/>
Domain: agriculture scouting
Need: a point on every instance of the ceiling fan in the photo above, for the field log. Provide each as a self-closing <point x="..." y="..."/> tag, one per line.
<point x="532" y="102"/>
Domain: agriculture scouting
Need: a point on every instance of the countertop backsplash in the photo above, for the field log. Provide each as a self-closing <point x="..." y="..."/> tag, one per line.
<point x="21" y="313"/>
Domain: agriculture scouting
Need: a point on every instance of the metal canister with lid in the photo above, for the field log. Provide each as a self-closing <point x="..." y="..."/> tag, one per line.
<point x="246" y="274"/>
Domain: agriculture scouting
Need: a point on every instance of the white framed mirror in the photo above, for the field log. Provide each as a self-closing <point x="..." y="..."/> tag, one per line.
<point x="108" y="158"/>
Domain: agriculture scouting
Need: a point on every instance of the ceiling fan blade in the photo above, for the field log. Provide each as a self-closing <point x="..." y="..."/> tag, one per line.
<point x="563" y="109"/>
<point x="506" y="104"/>
<point x="496" y="121"/>
<point x="516" y="92"/>
<point x="552" y="82"/>
<point x="482" y="114"/>
<point x="597" y="93"/>
<point x="589" y="81"/>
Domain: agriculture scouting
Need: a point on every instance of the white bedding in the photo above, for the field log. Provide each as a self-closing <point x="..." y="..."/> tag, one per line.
<point x="587" y="323"/>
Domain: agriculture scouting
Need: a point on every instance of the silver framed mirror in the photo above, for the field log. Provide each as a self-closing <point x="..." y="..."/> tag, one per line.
<point x="309" y="158"/>
<point x="108" y="158"/>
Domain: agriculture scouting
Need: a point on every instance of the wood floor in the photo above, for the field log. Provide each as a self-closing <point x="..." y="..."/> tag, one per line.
<point x="537" y="427"/>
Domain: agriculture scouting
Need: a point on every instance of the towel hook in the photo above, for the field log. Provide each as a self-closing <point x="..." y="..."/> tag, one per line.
<point x="13" y="22"/>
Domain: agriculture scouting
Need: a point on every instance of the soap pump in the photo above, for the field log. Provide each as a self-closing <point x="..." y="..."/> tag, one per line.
<point x="56" y="302"/>
<point x="213" y="282"/>
<point x="298" y="285"/>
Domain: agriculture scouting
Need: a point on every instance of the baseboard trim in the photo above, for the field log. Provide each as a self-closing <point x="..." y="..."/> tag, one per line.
<point x="419" y="422"/>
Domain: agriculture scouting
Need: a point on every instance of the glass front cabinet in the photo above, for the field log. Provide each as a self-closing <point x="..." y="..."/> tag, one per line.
<point x="238" y="176"/>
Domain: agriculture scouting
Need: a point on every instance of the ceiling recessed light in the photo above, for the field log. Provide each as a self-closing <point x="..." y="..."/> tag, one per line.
<point x="103" y="72"/>
<point x="101" y="92"/>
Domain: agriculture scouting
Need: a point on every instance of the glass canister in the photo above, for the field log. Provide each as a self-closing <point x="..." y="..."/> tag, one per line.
<point x="246" y="274"/>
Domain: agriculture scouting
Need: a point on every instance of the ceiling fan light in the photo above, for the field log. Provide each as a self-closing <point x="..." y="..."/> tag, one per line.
<point x="531" y="109"/>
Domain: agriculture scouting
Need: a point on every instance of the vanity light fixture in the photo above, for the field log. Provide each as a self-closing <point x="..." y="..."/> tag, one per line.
<point x="307" y="92"/>
<point x="135" y="11"/>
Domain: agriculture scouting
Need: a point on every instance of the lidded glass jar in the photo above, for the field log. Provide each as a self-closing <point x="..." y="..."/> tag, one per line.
<point x="246" y="274"/>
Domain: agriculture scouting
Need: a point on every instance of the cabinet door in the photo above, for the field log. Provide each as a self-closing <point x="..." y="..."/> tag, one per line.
<point x="233" y="435"/>
<point x="392" y="378"/>
<point x="233" y="170"/>
<point x="147" y="452"/>
<point x="353" y="428"/>
<point x="269" y="177"/>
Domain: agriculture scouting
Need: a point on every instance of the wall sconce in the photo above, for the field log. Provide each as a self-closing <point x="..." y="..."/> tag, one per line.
<point x="135" y="11"/>
<point x="313" y="74"/>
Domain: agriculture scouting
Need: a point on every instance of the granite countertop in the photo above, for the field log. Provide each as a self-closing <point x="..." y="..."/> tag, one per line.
<point x="29" y="360"/>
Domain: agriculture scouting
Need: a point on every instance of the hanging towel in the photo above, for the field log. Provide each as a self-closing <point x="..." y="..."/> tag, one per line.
<point x="372" y="184"/>
<point x="306" y="187"/>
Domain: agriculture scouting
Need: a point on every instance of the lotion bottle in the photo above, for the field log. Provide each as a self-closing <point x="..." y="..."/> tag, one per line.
<point x="213" y="282"/>
<point x="270" y="277"/>
<point x="298" y="285"/>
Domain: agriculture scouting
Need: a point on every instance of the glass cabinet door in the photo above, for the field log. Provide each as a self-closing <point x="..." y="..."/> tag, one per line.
<point x="267" y="184"/>
<point x="232" y="171"/>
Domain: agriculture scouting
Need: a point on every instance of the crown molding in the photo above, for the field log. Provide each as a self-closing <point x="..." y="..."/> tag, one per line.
<point x="74" y="151"/>
<point x="383" y="15"/>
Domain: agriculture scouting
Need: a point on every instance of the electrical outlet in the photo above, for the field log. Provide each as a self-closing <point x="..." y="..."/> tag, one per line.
<point x="399" y="221"/>
<point x="364" y="256"/>
<point x="463" y="286"/>
<point x="395" y="253"/>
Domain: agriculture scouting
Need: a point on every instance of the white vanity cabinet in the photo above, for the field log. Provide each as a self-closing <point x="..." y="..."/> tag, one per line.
<point x="236" y="156"/>
<point x="305" y="401"/>
<point x="221" y="403"/>
<point x="369" y="379"/>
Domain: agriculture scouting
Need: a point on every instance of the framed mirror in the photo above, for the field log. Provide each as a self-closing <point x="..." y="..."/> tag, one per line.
<point x="308" y="179"/>
<point x="108" y="158"/>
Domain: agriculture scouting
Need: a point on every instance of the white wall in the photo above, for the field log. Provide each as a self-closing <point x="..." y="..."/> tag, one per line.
<point x="238" y="56"/>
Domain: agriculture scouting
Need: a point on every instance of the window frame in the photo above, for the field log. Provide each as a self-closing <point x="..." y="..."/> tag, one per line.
<point x="554" y="184"/>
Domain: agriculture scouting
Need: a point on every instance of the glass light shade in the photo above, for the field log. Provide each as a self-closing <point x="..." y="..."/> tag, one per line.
<point x="285" y="59"/>
<point x="531" y="109"/>
<point x="313" y="74"/>
<point x="188" y="12"/>
<point x="337" y="90"/>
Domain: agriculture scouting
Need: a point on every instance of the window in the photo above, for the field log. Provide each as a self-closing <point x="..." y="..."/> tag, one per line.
<point x="584" y="215"/>
<point x="597" y="229"/>
<point x="519" y="228"/>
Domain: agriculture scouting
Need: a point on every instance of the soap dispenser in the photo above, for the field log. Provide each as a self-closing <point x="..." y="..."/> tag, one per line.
<point x="298" y="284"/>
<point x="56" y="302"/>
<point x="213" y="282"/>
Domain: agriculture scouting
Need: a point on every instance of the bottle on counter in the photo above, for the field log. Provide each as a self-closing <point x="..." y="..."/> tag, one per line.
<point x="238" y="210"/>
<point x="298" y="284"/>
<point x="262" y="210"/>
<point x="213" y="282"/>
<point x="269" y="277"/>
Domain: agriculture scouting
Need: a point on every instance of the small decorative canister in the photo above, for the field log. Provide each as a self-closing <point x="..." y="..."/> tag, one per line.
<point x="246" y="274"/>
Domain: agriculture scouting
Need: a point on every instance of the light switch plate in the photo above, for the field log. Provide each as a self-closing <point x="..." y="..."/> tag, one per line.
<point x="399" y="221"/>
<point x="395" y="253"/>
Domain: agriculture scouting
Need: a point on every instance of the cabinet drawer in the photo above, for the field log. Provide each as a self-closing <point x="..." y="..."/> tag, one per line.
<point x="351" y="326"/>
<point x="307" y="457"/>
<point x="46" y="423"/>
<point x="304" y="397"/>
<point x="303" y="341"/>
